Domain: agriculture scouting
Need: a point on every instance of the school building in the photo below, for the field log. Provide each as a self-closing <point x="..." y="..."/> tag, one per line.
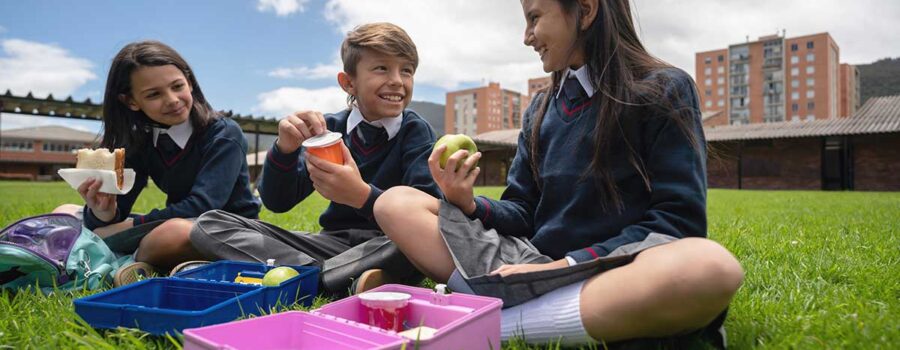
<point x="776" y="79"/>
<point x="37" y="153"/>
<point x="859" y="152"/>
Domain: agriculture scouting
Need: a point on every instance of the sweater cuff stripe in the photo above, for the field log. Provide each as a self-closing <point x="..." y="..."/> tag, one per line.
<point x="285" y="167"/>
<point x="487" y="208"/>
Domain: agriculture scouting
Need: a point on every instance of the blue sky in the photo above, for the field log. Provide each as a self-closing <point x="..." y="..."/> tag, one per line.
<point x="270" y="57"/>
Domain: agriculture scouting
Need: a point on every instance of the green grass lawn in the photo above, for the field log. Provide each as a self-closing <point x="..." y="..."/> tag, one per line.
<point x="823" y="270"/>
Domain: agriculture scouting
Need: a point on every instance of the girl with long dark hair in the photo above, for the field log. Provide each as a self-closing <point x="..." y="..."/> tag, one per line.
<point x="154" y="108"/>
<point x="600" y="234"/>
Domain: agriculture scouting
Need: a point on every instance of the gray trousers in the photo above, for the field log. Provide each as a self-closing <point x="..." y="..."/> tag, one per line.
<point x="342" y="255"/>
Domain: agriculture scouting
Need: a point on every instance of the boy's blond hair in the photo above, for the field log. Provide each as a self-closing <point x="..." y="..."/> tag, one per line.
<point x="386" y="38"/>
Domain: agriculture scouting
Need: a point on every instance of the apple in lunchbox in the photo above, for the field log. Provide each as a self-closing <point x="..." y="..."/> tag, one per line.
<point x="456" y="142"/>
<point x="278" y="275"/>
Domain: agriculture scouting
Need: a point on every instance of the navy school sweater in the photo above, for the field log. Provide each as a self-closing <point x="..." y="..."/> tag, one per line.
<point x="209" y="173"/>
<point x="402" y="160"/>
<point x="563" y="217"/>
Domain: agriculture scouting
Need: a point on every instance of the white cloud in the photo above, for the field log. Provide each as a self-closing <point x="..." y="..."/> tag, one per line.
<point x="320" y="71"/>
<point x="278" y="103"/>
<point x="281" y="7"/>
<point x="12" y="121"/>
<point x="465" y="42"/>
<point x="475" y="41"/>
<point x="42" y="69"/>
<point x="458" y="41"/>
<point x="675" y="30"/>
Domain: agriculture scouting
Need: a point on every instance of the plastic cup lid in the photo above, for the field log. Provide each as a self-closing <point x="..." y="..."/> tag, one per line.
<point x="322" y="140"/>
<point x="384" y="296"/>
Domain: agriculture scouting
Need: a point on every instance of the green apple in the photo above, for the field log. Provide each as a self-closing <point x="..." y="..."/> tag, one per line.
<point x="278" y="275"/>
<point x="455" y="142"/>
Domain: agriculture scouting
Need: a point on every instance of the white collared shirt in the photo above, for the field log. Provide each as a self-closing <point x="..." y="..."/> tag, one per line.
<point x="582" y="75"/>
<point x="391" y="125"/>
<point x="179" y="133"/>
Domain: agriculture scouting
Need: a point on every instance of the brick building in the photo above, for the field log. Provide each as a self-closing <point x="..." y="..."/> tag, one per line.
<point x="498" y="148"/>
<point x="860" y="152"/>
<point x="850" y="99"/>
<point x="480" y="110"/>
<point x="37" y="153"/>
<point x="775" y="79"/>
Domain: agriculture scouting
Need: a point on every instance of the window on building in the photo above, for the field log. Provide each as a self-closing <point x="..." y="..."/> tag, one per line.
<point x="721" y="91"/>
<point x="794" y="107"/>
<point x="811" y="117"/>
<point x="17" y="146"/>
<point x="721" y="58"/>
<point x="707" y="82"/>
<point x="721" y="103"/>
<point x="793" y="47"/>
<point x="809" y="44"/>
<point x="810" y="57"/>
<point x="707" y="60"/>
<point x="795" y="95"/>
<point x="708" y="92"/>
<point x="810" y="106"/>
<point x="810" y="82"/>
<point x="795" y="59"/>
<point x="795" y="71"/>
<point x="795" y="118"/>
<point x="810" y="69"/>
<point x="721" y="69"/>
<point x="795" y="83"/>
<point x="708" y="103"/>
<point x="707" y="71"/>
<point x="721" y="80"/>
<point x="810" y="93"/>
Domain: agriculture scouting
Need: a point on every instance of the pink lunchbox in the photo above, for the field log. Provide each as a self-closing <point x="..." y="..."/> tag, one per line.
<point x="431" y="320"/>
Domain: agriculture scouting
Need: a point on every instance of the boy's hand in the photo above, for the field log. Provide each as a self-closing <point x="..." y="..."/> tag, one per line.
<point x="339" y="183"/>
<point x="456" y="183"/>
<point x="296" y="128"/>
<point x="102" y="205"/>
<point x="507" y="270"/>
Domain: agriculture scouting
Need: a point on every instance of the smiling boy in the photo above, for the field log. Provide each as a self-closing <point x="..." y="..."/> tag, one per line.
<point x="384" y="146"/>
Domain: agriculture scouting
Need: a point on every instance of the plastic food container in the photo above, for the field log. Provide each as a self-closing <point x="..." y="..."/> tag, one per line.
<point x="432" y="320"/>
<point x="326" y="146"/>
<point x="203" y="296"/>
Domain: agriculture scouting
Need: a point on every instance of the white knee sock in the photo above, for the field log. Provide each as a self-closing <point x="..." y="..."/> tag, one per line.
<point x="551" y="318"/>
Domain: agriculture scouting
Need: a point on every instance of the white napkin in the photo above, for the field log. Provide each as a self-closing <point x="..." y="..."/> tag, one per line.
<point x="75" y="177"/>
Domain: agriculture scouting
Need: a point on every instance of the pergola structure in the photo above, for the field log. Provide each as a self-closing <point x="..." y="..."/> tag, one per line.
<point x="88" y="110"/>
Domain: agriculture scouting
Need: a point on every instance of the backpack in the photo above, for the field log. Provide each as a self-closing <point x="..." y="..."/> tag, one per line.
<point x="54" y="251"/>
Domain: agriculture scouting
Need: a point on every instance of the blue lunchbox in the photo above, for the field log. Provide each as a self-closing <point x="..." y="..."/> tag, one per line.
<point x="199" y="297"/>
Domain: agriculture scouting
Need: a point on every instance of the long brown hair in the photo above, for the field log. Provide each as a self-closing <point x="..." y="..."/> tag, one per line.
<point x="618" y="64"/>
<point x="123" y="127"/>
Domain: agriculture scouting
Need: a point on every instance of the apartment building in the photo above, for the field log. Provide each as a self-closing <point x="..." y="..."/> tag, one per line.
<point x="483" y="109"/>
<point x="850" y="100"/>
<point x="776" y="79"/>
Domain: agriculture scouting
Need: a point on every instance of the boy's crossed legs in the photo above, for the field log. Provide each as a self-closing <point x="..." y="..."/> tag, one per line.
<point x="343" y="254"/>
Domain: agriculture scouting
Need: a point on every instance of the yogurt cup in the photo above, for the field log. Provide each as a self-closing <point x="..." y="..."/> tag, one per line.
<point x="326" y="146"/>
<point x="386" y="310"/>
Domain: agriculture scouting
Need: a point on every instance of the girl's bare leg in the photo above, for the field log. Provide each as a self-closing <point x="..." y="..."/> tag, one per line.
<point x="168" y="244"/>
<point x="668" y="290"/>
<point x="68" y="209"/>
